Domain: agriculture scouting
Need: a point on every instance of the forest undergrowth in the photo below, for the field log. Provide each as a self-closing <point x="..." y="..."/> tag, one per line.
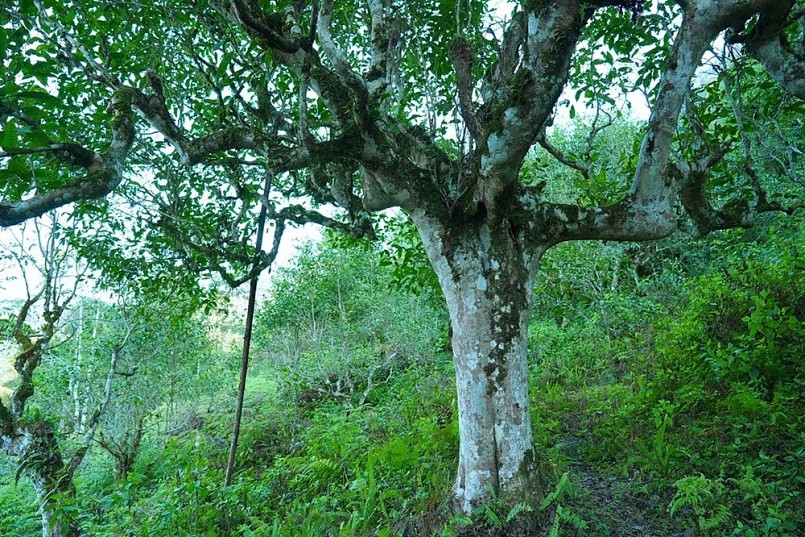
<point x="667" y="388"/>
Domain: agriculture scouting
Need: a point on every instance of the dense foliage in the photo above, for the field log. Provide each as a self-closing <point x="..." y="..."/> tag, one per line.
<point x="325" y="329"/>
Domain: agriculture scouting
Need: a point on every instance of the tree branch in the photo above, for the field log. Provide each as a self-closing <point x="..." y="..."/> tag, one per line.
<point x="360" y="227"/>
<point x="518" y="111"/>
<point x="104" y="172"/>
<point x="647" y="211"/>
<point x="203" y="150"/>
<point x="561" y="157"/>
<point x="266" y="27"/>
<point x="95" y="419"/>
<point x="736" y="213"/>
<point x="384" y="71"/>
<point x="462" y="57"/>
<point x="6" y="110"/>
<point x="333" y="53"/>
<point x="766" y="43"/>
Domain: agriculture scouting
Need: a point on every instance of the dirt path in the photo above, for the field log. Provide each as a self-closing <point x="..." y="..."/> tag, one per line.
<point x="625" y="514"/>
<point x="616" y="506"/>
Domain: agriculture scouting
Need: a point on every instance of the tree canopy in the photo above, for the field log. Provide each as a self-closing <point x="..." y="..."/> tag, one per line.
<point x="187" y="108"/>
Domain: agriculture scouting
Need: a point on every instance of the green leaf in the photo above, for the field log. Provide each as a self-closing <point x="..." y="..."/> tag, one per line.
<point x="9" y="137"/>
<point x="41" y="97"/>
<point x="37" y="138"/>
<point x="3" y="44"/>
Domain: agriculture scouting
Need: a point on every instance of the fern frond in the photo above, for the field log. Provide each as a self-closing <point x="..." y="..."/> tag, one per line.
<point x="564" y="486"/>
<point x="517" y="510"/>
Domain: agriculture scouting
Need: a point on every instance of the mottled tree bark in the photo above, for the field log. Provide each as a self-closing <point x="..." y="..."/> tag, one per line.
<point x="40" y="459"/>
<point x="487" y="277"/>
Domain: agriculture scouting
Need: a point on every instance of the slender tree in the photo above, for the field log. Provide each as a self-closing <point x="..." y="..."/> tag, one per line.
<point x="28" y="434"/>
<point x="160" y="349"/>
<point x="429" y="106"/>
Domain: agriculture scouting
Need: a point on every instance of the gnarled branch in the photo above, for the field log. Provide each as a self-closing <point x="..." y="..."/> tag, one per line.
<point x="104" y="172"/>
<point x="766" y="43"/>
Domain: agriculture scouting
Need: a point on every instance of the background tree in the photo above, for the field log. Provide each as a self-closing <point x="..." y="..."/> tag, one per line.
<point x="163" y="358"/>
<point x="351" y="105"/>
<point x="98" y="370"/>
<point x="326" y="330"/>
<point x="26" y="431"/>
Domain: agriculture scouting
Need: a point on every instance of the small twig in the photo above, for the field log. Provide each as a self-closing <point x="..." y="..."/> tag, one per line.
<point x="561" y="157"/>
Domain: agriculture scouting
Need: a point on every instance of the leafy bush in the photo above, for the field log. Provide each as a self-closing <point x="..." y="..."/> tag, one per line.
<point x="19" y="513"/>
<point x="693" y="402"/>
<point x="744" y="323"/>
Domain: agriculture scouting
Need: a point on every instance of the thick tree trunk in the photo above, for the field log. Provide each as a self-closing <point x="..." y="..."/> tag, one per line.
<point x="127" y="451"/>
<point x="487" y="281"/>
<point x="39" y="454"/>
<point x="123" y="465"/>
